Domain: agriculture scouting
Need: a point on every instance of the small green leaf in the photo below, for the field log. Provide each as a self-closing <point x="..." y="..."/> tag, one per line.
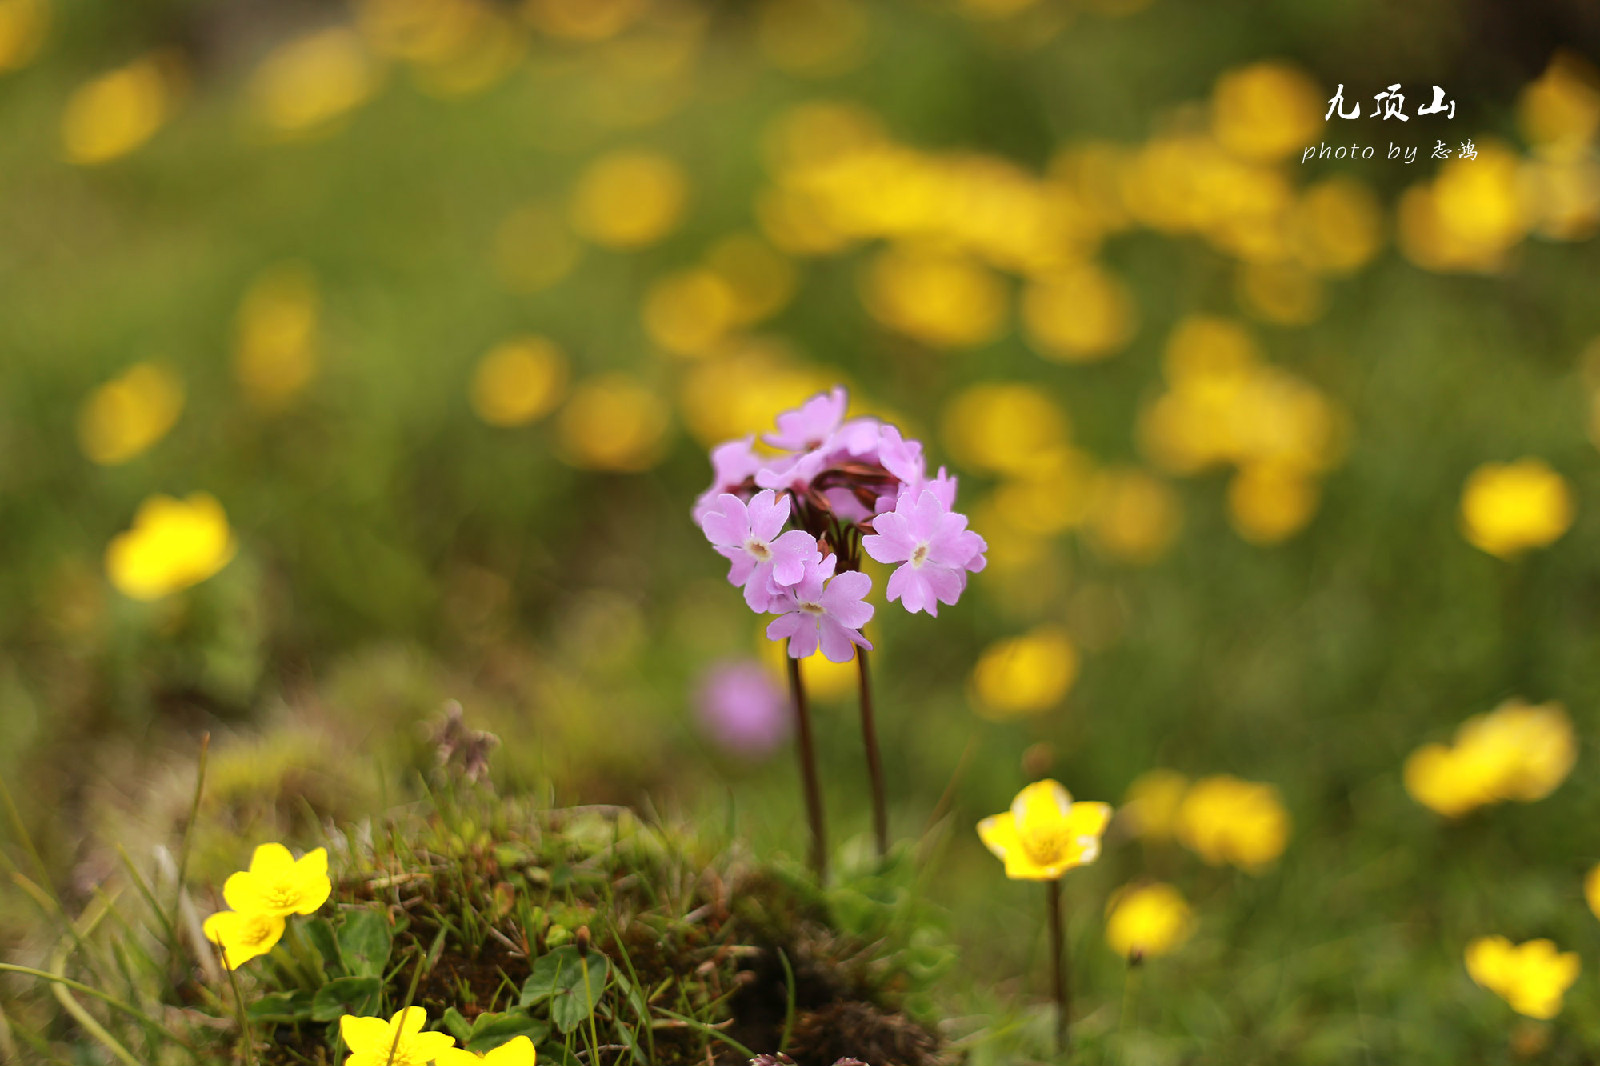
<point x="489" y="1031"/>
<point x="320" y="933"/>
<point x="281" y="1007"/>
<point x="570" y="982"/>
<point x="364" y="943"/>
<point x="347" y="995"/>
<point x="456" y="1024"/>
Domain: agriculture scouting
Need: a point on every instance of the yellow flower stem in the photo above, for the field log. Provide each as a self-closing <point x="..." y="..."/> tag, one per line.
<point x="1059" y="982"/>
<point x="1130" y="999"/>
<point x="808" y="773"/>
<point x="869" y="737"/>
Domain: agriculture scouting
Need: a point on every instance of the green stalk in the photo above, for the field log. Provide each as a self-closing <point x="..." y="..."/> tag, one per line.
<point x="808" y="773"/>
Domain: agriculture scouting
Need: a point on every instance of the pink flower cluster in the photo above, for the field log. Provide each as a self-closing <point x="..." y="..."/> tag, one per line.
<point x="793" y="522"/>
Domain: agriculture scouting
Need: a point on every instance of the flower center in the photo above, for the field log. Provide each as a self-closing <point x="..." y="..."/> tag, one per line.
<point x="1044" y="846"/>
<point x="283" y="897"/>
<point x="257" y="932"/>
<point x="919" y="555"/>
<point x="758" y="549"/>
<point x="810" y="608"/>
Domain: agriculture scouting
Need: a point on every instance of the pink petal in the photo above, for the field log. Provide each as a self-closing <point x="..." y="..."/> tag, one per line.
<point x="768" y="513"/>
<point x="728" y="523"/>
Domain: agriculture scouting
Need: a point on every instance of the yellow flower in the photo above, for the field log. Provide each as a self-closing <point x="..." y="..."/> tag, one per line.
<point x="518" y="381"/>
<point x="1024" y="675"/>
<point x="1003" y="426"/>
<point x="1045" y="834"/>
<point x="1507" y="508"/>
<point x="1515" y="752"/>
<point x="1147" y="920"/>
<point x="1226" y="820"/>
<point x="1078" y="314"/>
<point x="629" y="199"/>
<point x="278" y="884"/>
<point x="517" y="1052"/>
<point x="945" y="300"/>
<point x="275" y="339"/>
<point x="116" y="113"/>
<point x="689" y="312"/>
<point x="1270" y="502"/>
<point x="1532" y="977"/>
<point x="173" y="544"/>
<point x="1591" y="890"/>
<point x="534" y="248"/>
<point x="1135" y="516"/>
<point x="125" y="416"/>
<point x="1152" y="803"/>
<point x="614" y="422"/>
<point x="306" y="84"/>
<point x="1265" y="110"/>
<point x="243" y="936"/>
<point x="22" y="27"/>
<point x="399" y="1041"/>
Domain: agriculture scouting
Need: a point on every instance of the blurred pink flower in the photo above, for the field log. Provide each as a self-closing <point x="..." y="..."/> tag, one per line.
<point x="732" y="464"/>
<point x="742" y="709"/>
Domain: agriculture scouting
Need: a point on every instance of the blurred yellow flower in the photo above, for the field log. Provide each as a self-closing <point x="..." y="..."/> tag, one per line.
<point x="1045" y="834"/>
<point x="629" y="199"/>
<point x="534" y="248"/>
<point x="812" y="37"/>
<point x="22" y="29"/>
<point x="1591" y="890"/>
<point x="519" y="381"/>
<point x="1152" y="803"/>
<point x="1225" y="820"/>
<point x="1266" y="110"/>
<point x="614" y="422"/>
<point x="942" y="299"/>
<point x="1507" y="508"/>
<point x="1077" y="314"/>
<point x="1337" y="225"/>
<point x="689" y="312"/>
<point x="304" y="85"/>
<point x="117" y="112"/>
<point x="1286" y="293"/>
<point x="1517" y="751"/>
<point x="1054" y="495"/>
<point x="124" y="417"/>
<point x="278" y="883"/>
<point x="1004" y="427"/>
<point x="275" y="339"/>
<point x="1134" y="517"/>
<point x="1470" y="217"/>
<point x="1270" y="502"/>
<point x="743" y="387"/>
<point x="1024" y="675"/>
<point x="1559" y="113"/>
<point x="1532" y="977"/>
<point x="1147" y="919"/>
<point x="484" y="47"/>
<point x="172" y="545"/>
<point x="1204" y="350"/>
<point x="243" y="936"/>
<point x="760" y="279"/>
<point x="583" y="20"/>
<point x="1564" y="196"/>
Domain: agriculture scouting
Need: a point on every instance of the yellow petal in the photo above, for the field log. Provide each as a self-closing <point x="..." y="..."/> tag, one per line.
<point x="311" y="882"/>
<point x="517" y="1052"/>
<point x="271" y="859"/>
<point x="366" y="1034"/>
<point x="999" y="834"/>
<point x="1489" y="961"/>
<point x="1041" y="803"/>
<point x="411" y="1020"/>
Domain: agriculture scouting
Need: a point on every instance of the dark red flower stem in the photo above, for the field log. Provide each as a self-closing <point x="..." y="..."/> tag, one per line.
<point x="808" y="774"/>
<point x="869" y="737"/>
<point x="1060" y="986"/>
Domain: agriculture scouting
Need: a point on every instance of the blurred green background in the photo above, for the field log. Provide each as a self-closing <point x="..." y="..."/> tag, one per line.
<point x="442" y="302"/>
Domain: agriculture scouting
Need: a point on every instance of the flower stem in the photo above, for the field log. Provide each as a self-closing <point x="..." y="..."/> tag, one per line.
<point x="1058" y="971"/>
<point x="869" y="736"/>
<point x="808" y="773"/>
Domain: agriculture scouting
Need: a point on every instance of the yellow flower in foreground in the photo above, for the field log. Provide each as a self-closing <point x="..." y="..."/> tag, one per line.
<point x="1226" y="820"/>
<point x="1045" y="834"/>
<point x="1147" y="920"/>
<point x="1507" y="508"/>
<point x="243" y="936"/>
<point x="116" y="113"/>
<point x="125" y="416"/>
<point x="517" y="1052"/>
<point x="278" y="884"/>
<point x="399" y="1041"/>
<point x="1515" y="752"/>
<point x="1532" y="977"/>
<point x="173" y="544"/>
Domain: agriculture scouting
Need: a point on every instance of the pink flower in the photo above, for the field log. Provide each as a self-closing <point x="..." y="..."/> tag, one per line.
<point x="823" y="609"/>
<point x="732" y="464"/>
<point x="934" y="544"/>
<point x="748" y="536"/>
<point x="809" y="426"/>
